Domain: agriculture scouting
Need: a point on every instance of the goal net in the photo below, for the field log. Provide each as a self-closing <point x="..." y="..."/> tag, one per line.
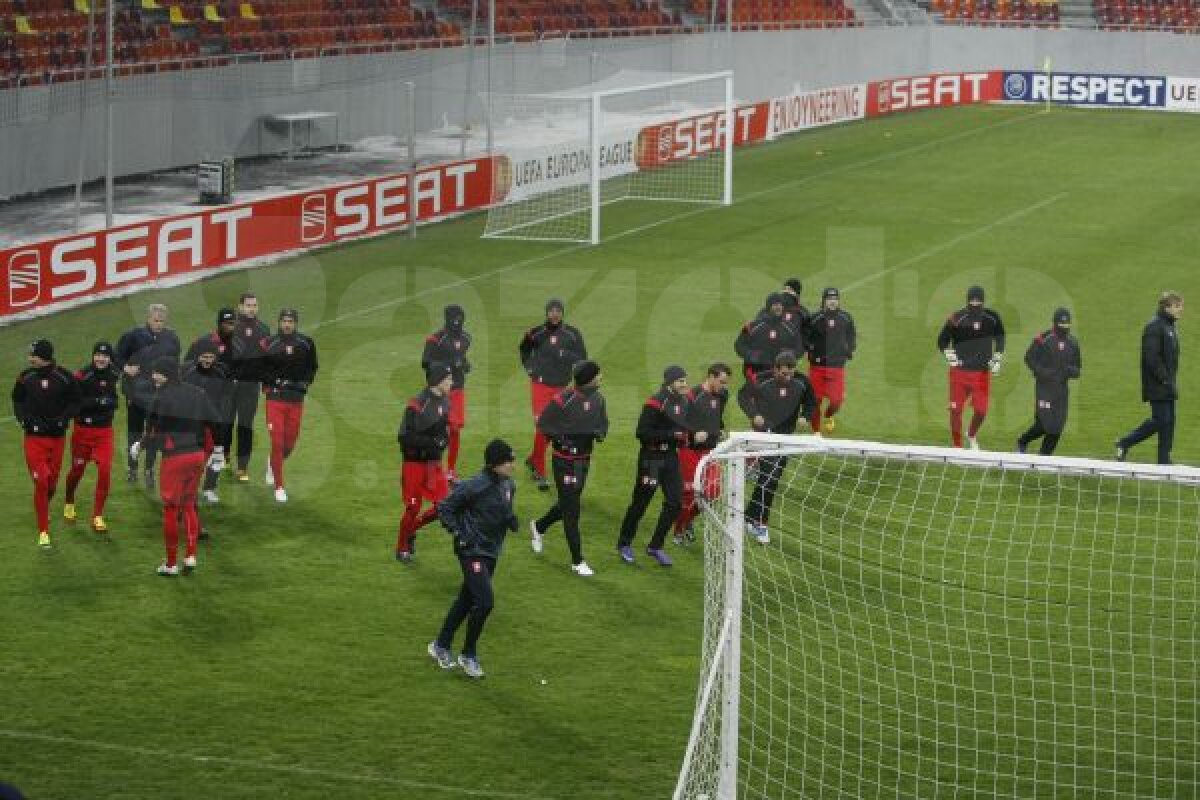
<point x="566" y="156"/>
<point x="930" y="622"/>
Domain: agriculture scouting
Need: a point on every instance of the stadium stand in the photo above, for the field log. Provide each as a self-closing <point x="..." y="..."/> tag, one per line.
<point x="1023" y="13"/>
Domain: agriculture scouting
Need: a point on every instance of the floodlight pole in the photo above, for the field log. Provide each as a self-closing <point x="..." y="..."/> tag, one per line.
<point x="84" y="91"/>
<point x="411" y="105"/>
<point x="108" y="127"/>
<point x="490" y="57"/>
<point x="462" y="144"/>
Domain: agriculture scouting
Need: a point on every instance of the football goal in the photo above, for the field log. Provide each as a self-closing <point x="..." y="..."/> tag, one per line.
<point x="932" y="622"/>
<point x="638" y="136"/>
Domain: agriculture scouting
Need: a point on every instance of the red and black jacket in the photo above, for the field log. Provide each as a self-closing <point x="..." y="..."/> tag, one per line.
<point x="779" y="403"/>
<point x="424" y="428"/>
<point x="549" y="352"/>
<point x="182" y="420"/>
<point x="45" y="399"/>
<point x="706" y="412"/>
<point x="831" y="338"/>
<point x="98" y="395"/>
<point x="975" y="334"/>
<point x="574" y="421"/>
<point x="662" y="425"/>
<point x="448" y="348"/>
<point x="291" y="367"/>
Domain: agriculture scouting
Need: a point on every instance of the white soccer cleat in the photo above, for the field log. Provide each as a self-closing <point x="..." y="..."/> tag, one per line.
<point x="189" y="563"/>
<point x="281" y="495"/>
<point x="269" y="477"/>
<point x="210" y="497"/>
<point x="762" y="534"/>
<point x="536" y="541"/>
<point x="168" y="572"/>
<point x="583" y="570"/>
<point x="972" y="443"/>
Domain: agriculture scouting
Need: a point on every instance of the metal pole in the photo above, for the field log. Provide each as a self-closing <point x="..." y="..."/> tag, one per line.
<point x="594" y="168"/>
<point x="735" y="521"/>
<point x="412" y="158"/>
<point x="491" y="53"/>
<point x="108" y="125"/>
<point x="462" y="145"/>
<point x="84" y="90"/>
<point x="730" y="133"/>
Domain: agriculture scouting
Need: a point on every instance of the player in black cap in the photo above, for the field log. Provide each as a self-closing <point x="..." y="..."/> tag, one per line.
<point x="548" y="353"/>
<point x="1054" y="359"/>
<point x="423" y="437"/>
<point x="793" y="310"/>
<point x="449" y="346"/>
<point x="478" y="514"/>
<point x="661" y="429"/>
<point x="832" y="340"/>
<point x="290" y="369"/>
<point x="573" y="422"/>
<point x="44" y="399"/>
<point x="92" y="436"/>
<point x="972" y="340"/>
<point x="211" y="375"/>
<point x="767" y="335"/>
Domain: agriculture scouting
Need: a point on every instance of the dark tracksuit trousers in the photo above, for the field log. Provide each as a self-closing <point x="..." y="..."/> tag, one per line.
<point x="656" y="468"/>
<point x="570" y="476"/>
<point x="770" y="470"/>
<point x="245" y="406"/>
<point x="473" y="604"/>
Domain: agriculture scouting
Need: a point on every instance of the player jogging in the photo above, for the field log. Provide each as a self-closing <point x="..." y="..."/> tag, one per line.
<point x="573" y="422"/>
<point x="478" y="514"/>
<point x="423" y="437"/>
<point x="250" y="337"/>
<point x="92" y="435"/>
<point x="1160" y="371"/>
<point x="44" y="399"/>
<point x="774" y="405"/>
<point x="767" y="335"/>
<point x="661" y="429"/>
<point x="290" y="369"/>
<point x="137" y="349"/>
<point x="706" y="412"/>
<point x="449" y="346"/>
<point x="209" y="374"/>
<point x="793" y="310"/>
<point x="972" y="340"/>
<point x="1054" y="359"/>
<point x="831" y="340"/>
<point x="548" y="353"/>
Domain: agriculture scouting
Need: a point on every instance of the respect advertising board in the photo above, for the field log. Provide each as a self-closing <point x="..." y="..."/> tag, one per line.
<point x="1183" y="94"/>
<point x="1086" y="89"/>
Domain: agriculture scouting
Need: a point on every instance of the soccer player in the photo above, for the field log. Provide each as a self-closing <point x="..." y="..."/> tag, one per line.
<point x="1054" y="359"/>
<point x="209" y="374"/>
<point x="92" y="436"/>
<point x="573" y="422"/>
<point x="137" y="349"/>
<point x="793" y="309"/>
<point x="1160" y="369"/>
<point x="181" y="422"/>
<point x="831" y="340"/>
<point x="661" y="429"/>
<point x="972" y="340"/>
<point x="250" y="337"/>
<point x="478" y="514"/>
<point x="220" y="340"/>
<point x="290" y="369"/>
<point x="44" y="399"/>
<point x="767" y="335"/>
<point x="774" y="405"/>
<point x="449" y="346"/>
<point x="706" y="412"/>
<point x="423" y="437"/>
<point x="548" y="353"/>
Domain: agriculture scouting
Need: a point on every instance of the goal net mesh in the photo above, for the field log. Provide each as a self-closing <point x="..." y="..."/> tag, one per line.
<point x="924" y="623"/>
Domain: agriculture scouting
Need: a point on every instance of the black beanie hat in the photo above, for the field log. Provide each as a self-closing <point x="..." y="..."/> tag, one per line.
<point x="830" y="291"/>
<point x="454" y="315"/>
<point x="673" y="373"/>
<point x="794" y="284"/>
<point x="1062" y="316"/>
<point x="584" y="371"/>
<point x="43" y="349"/>
<point x="167" y="366"/>
<point x="226" y="315"/>
<point x="975" y="293"/>
<point x="289" y="313"/>
<point x="553" y="303"/>
<point x="498" y="452"/>
<point x="435" y="373"/>
<point x="206" y="345"/>
<point x="102" y="347"/>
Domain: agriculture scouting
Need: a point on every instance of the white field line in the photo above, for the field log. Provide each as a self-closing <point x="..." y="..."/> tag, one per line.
<point x="264" y="766"/>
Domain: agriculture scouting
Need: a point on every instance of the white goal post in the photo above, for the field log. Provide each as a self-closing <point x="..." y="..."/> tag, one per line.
<point x="565" y="156"/>
<point x="929" y="622"/>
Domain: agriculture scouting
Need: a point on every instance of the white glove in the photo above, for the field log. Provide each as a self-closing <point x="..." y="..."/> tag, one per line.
<point x="216" y="462"/>
<point x="996" y="361"/>
<point x="134" y="449"/>
<point x="951" y="357"/>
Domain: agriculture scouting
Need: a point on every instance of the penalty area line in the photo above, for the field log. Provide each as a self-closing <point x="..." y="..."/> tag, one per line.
<point x="260" y="765"/>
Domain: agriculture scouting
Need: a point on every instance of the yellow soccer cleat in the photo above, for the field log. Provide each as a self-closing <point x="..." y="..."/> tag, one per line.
<point x="829" y="425"/>
<point x="44" y="539"/>
<point x="69" y="512"/>
<point x="242" y="476"/>
<point x="99" y="525"/>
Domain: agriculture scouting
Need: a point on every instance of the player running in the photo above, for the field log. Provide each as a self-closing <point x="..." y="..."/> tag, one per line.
<point x="250" y="337"/>
<point x="767" y="335"/>
<point x="706" y="412"/>
<point x="137" y="349"/>
<point x="423" y="437"/>
<point x="290" y="369"/>
<point x="972" y="340"/>
<point x="449" y="346"/>
<point x="208" y="373"/>
<point x="831" y="340"/>
<point x="1054" y="359"/>
<point x="92" y="436"/>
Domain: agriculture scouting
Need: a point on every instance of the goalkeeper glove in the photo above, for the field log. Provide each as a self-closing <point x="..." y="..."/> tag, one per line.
<point x="951" y="357"/>
<point x="216" y="462"/>
<point x="134" y="449"/>
<point x="995" y="363"/>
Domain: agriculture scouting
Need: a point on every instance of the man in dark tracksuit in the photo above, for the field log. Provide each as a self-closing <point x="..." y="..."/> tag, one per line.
<point x="1054" y="359"/>
<point x="478" y="513"/>
<point x="137" y="350"/>
<point x="92" y="438"/>
<point x="449" y="346"/>
<point x="1160" y="371"/>
<point x="548" y="353"/>
<point x="423" y="436"/>
<point x="972" y="340"/>
<point x="832" y="340"/>
<point x="661" y="429"/>
<point x="793" y="310"/>
<point x="211" y="375"/>
<point x="573" y="422"/>
<point x="288" y="373"/>
<point x="774" y="405"/>
<point x="250" y="337"/>
<point x="44" y="399"/>
<point x="770" y="333"/>
<point x="706" y="412"/>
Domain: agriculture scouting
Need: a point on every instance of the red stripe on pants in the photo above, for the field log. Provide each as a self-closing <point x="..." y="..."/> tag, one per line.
<point x="43" y="457"/>
<point x="283" y="423"/>
<point x="179" y="482"/>
<point x="91" y="444"/>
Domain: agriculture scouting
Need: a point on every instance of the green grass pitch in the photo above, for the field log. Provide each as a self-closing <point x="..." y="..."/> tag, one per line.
<point x="292" y="664"/>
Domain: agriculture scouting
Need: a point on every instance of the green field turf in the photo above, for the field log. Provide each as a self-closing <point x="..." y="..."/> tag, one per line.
<point x="293" y="663"/>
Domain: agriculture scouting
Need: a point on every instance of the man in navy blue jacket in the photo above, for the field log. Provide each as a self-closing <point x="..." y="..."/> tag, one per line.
<point x="1160" y="369"/>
